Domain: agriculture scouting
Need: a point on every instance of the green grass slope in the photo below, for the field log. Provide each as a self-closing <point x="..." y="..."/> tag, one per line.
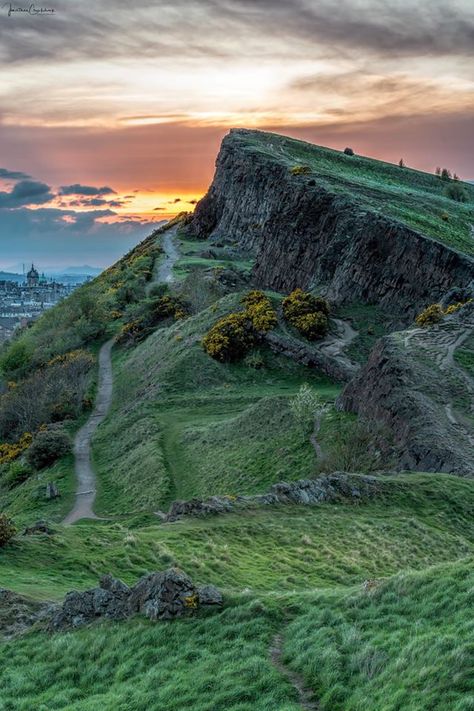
<point x="413" y="197"/>
<point x="417" y="521"/>
<point x="184" y="425"/>
<point x="295" y="571"/>
<point x="405" y="644"/>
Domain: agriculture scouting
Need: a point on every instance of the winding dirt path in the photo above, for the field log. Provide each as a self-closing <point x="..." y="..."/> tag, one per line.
<point x="305" y="695"/>
<point x="85" y="475"/>
<point x="333" y="345"/>
<point x="164" y="271"/>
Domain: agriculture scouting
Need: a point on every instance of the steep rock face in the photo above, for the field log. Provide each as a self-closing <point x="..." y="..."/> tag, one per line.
<point x="413" y="384"/>
<point x="303" y="234"/>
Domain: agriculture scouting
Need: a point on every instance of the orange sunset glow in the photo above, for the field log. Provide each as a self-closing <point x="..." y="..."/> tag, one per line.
<point x="136" y="99"/>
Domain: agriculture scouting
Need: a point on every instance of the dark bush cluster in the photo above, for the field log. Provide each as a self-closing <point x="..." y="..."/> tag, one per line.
<point x="260" y="311"/>
<point x="307" y="313"/>
<point x="52" y="393"/>
<point x="230" y="338"/>
<point x="7" y="529"/>
<point x="149" y="315"/>
<point x="47" y="447"/>
<point x="455" y="191"/>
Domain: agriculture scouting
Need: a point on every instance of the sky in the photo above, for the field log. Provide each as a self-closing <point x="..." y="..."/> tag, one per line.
<point x="111" y="113"/>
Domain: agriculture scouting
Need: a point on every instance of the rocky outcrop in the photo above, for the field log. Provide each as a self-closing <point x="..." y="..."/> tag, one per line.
<point x="312" y="355"/>
<point x="18" y="613"/>
<point x="158" y="596"/>
<point x="308" y="492"/>
<point x="304" y="233"/>
<point x="39" y="527"/>
<point x="413" y="384"/>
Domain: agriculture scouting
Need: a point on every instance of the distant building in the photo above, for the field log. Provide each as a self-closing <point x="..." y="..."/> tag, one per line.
<point x="21" y="304"/>
<point x="32" y="278"/>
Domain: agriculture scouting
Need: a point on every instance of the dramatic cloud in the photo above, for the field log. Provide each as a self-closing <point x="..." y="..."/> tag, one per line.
<point x="13" y="175"/>
<point x="139" y="96"/>
<point x="64" y="237"/>
<point x="26" y="192"/>
<point x="93" y="30"/>
<point x="77" y="189"/>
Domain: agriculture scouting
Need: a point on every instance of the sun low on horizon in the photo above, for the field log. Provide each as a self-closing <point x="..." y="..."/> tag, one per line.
<point x="136" y="99"/>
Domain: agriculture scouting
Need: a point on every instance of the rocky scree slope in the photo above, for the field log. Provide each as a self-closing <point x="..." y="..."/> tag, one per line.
<point x="306" y="231"/>
<point x="414" y="384"/>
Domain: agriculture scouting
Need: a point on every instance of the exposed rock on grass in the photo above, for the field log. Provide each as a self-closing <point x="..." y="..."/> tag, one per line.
<point x="158" y="596"/>
<point x="18" y="613"/>
<point x="309" y="492"/>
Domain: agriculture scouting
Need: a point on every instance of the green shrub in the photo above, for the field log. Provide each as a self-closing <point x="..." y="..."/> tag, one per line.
<point x="7" y="529"/>
<point x="16" y="359"/>
<point x="17" y="473"/>
<point x="146" y="316"/>
<point x="456" y="192"/>
<point x="306" y="407"/>
<point x="230" y="338"/>
<point x="254" y="360"/>
<point x="307" y="313"/>
<point x="47" y="447"/>
<point x="158" y="290"/>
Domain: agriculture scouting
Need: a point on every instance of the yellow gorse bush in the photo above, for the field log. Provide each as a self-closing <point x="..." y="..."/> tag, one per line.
<point x="232" y="336"/>
<point x="10" y="452"/>
<point x="434" y="313"/>
<point x="307" y="313"/>
<point x="300" y="170"/>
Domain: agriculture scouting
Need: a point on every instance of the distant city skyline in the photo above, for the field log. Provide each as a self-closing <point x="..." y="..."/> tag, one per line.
<point x="112" y="113"/>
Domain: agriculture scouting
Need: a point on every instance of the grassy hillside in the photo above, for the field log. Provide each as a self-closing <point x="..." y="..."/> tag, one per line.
<point x="198" y="427"/>
<point x="371" y="598"/>
<point x="415" y="198"/>
<point x="293" y="571"/>
<point x="404" y="644"/>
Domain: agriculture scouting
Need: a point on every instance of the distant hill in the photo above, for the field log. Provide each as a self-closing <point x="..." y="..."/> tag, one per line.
<point x="11" y="276"/>
<point x="85" y="269"/>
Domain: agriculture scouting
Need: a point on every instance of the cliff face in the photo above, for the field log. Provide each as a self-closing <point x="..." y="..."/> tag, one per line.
<point x="303" y="233"/>
<point x="414" y="385"/>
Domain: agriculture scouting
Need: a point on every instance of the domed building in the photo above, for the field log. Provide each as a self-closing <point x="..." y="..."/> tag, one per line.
<point x="32" y="278"/>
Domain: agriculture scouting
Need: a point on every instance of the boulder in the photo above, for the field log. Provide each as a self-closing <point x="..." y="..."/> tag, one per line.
<point x="18" y="613"/>
<point x="110" y="600"/>
<point x="38" y="527"/>
<point x="164" y="595"/>
<point x="209" y="596"/>
<point x="158" y="596"/>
